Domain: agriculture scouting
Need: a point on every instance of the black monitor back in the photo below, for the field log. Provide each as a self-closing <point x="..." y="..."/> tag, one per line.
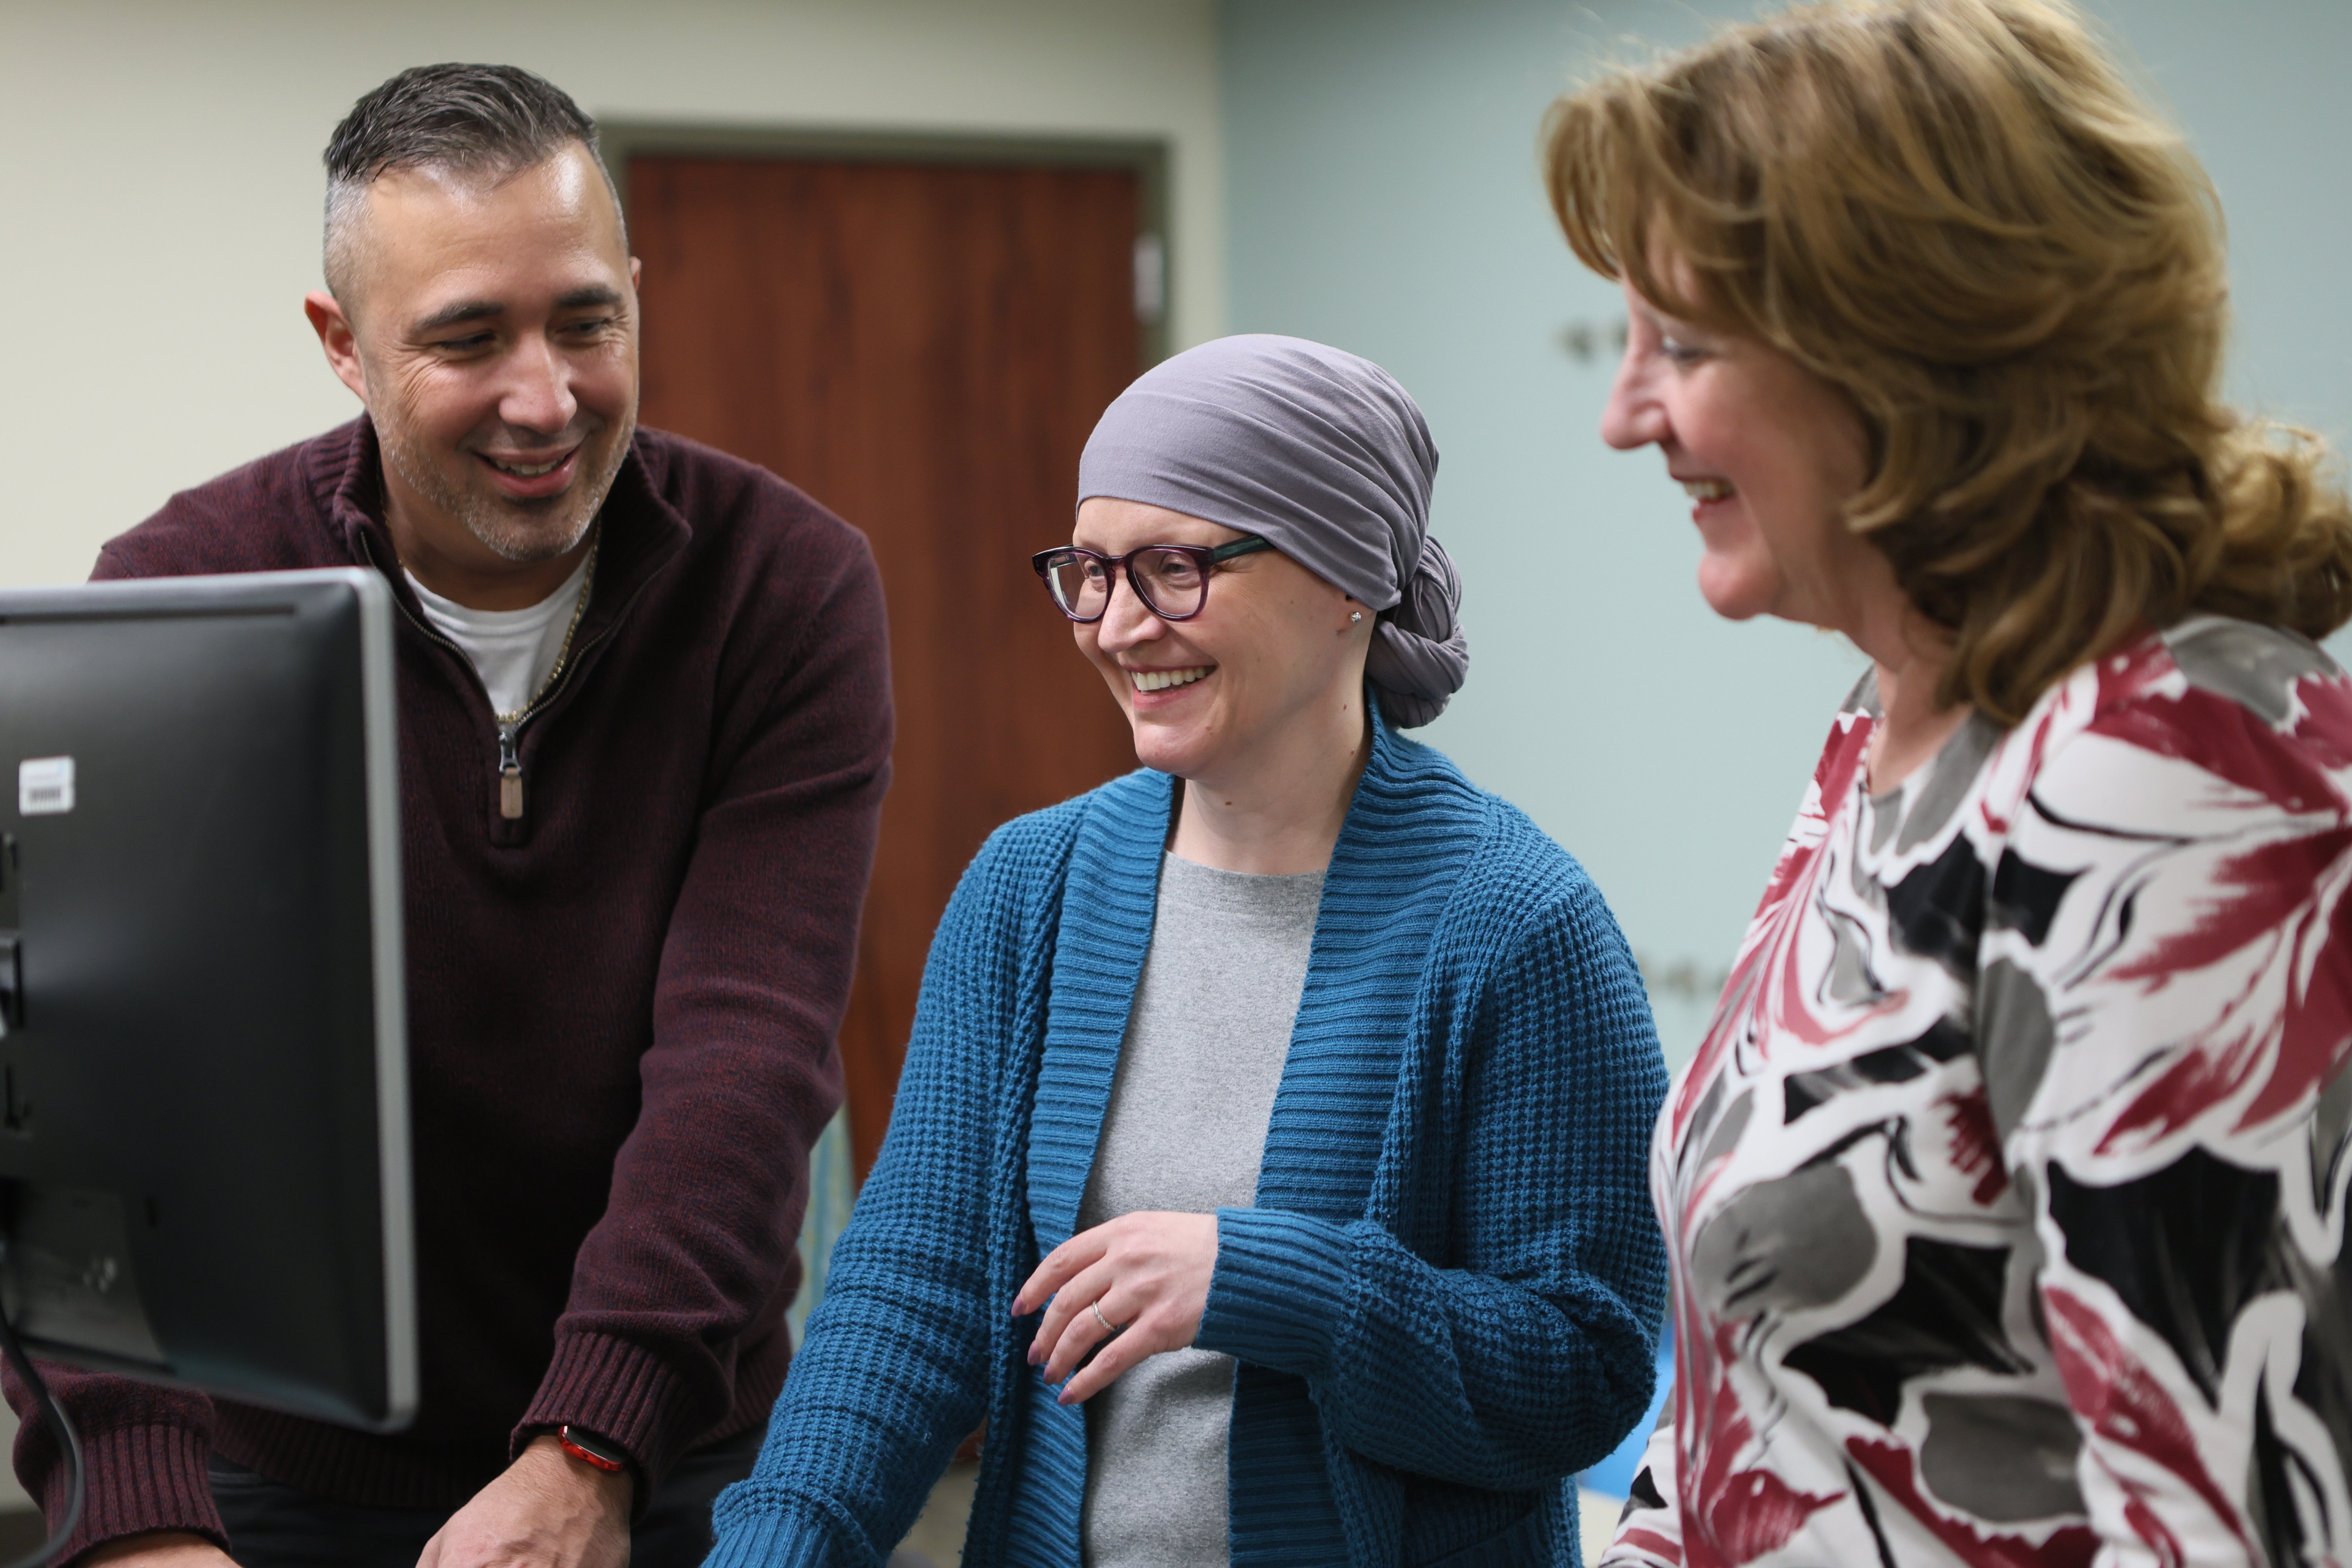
<point x="204" y="1145"/>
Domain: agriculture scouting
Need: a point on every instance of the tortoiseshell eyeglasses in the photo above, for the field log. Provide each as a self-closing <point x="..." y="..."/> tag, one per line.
<point x="1172" y="580"/>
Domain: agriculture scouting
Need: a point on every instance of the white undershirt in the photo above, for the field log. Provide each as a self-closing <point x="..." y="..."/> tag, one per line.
<point x="513" y="651"/>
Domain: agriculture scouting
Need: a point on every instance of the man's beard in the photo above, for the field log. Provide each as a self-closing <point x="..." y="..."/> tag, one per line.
<point x="504" y="530"/>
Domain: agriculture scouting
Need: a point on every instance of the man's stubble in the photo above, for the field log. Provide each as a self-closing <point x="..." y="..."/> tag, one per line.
<point x="511" y="532"/>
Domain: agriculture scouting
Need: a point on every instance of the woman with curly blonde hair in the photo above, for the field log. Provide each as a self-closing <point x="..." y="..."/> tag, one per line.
<point x="2006" y="1196"/>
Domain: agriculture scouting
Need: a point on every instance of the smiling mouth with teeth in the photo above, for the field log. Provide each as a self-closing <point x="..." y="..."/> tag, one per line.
<point x="1161" y="679"/>
<point x="1707" y="490"/>
<point x="525" y="470"/>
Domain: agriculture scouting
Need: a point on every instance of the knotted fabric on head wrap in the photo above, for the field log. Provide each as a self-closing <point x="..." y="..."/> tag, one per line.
<point x="1324" y="455"/>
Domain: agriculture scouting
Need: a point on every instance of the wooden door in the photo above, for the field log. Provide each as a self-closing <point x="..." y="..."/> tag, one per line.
<point x="923" y="349"/>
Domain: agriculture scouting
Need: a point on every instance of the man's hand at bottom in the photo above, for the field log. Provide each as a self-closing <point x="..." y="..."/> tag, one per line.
<point x="549" y="1511"/>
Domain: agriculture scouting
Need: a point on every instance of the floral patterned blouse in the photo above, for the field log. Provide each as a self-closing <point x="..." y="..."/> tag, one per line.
<point x="2006" y="1195"/>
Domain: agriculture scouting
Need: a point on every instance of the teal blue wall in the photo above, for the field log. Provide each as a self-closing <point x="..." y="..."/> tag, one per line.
<point x="1384" y="197"/>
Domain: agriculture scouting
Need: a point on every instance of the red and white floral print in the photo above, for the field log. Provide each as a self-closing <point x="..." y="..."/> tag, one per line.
<point x="2007" y="1193"/>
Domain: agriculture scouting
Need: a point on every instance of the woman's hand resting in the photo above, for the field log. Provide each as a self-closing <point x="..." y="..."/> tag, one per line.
<point x="1148" y="1273"/>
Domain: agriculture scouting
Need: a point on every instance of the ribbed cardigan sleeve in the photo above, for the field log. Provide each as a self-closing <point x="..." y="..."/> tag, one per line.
<point x="894" y="1374"/>
<point x="1526" y="1354"/>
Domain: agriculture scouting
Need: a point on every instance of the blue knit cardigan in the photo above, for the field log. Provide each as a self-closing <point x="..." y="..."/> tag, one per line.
<point x="1446" y="1298"/>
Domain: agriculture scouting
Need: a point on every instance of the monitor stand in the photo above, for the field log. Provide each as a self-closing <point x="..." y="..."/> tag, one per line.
<point x="66" y="1277"/>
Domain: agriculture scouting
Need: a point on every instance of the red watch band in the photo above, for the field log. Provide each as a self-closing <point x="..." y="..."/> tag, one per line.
<point x="590" y="1449"/>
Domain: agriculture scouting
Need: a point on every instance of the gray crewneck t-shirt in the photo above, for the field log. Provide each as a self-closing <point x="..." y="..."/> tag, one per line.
<point x="1185" y="1132"/>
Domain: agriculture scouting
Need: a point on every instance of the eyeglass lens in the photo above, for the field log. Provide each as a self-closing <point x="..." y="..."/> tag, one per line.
<point x="1170" y="581"/>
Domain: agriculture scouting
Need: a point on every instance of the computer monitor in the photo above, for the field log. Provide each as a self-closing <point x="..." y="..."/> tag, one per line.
<point x="203" y="1138"/>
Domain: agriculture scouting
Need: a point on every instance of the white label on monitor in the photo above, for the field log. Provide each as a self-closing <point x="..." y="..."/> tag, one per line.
<point x="45" y="786"/>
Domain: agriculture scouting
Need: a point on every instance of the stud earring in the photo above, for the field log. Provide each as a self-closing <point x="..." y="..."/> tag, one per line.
<point x="1355" y="615"/>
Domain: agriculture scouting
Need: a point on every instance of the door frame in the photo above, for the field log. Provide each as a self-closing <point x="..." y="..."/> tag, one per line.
<point x="621" y="140"/>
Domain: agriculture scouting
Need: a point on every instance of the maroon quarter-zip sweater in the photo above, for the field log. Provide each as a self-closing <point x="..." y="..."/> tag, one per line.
<point x="622" y="1003"/>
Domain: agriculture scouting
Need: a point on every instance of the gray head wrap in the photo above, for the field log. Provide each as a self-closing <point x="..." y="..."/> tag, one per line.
<point x="1323" y="455"/>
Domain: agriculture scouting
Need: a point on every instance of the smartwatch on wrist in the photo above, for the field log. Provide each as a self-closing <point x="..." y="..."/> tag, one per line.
<point x="590" y="1449"/>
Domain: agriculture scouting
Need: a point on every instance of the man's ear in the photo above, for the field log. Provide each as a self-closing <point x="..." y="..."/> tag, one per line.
<point x="336" y="336"/>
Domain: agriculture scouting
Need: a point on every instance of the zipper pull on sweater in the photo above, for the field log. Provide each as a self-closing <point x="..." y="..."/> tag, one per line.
<point x="509" y="773"/>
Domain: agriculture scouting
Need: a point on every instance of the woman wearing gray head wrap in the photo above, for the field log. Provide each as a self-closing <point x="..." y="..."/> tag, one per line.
<point x="1322" y="454"/>
<point x="1293" y="1093"/>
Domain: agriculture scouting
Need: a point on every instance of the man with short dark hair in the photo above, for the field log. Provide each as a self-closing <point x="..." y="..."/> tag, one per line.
<point x="645" y="728"/>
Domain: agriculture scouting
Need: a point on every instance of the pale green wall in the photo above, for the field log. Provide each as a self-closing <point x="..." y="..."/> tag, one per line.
<point x="1384" y="197"/>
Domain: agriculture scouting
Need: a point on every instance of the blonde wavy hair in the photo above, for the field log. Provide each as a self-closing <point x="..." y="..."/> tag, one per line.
<point x="1957" y="212"/>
